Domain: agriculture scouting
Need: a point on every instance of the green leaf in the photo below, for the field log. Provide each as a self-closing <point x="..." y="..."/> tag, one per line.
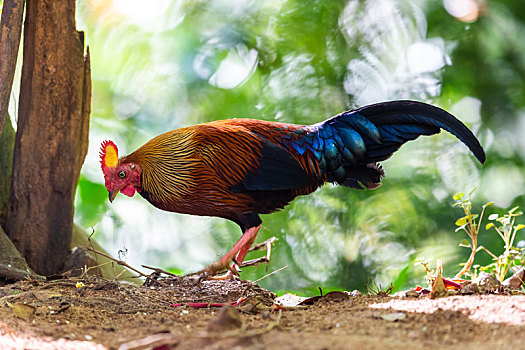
<point x="493" y="216"/>
<point x="464" y="243"/>
<point x="91" y="202"/>
<point x="401" y="279"/>
<point x="487" y="204"/>
<point x="472" y="191"/>
<point x="461" y="221"/>
<point x="458" y="196"/>
<point x="513" y="209"/>
<point x="175" y="271"/>
<point x="519" y="227"/>
<point x="489" y="225"/>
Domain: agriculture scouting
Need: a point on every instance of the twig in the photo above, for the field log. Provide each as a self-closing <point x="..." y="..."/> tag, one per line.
<point x="89" y="268"/>
<point x="266" y="245"/>
<point x="91" y="245"/>
<point x="120" y="262"/>
<point x="255" y="262"/>
<point x="158" y="270"/>
<point x="271" y="273"/>
<point x="118" y="275"/>
<point x="263" y="245"/>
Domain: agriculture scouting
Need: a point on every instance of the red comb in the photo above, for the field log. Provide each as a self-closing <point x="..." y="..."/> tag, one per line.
<point x="108" y="154"/>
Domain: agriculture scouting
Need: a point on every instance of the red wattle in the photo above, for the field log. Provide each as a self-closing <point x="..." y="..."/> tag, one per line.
<point x="128" y="190"/>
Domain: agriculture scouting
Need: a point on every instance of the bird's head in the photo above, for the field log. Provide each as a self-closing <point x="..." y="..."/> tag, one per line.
<point x="119" y="176"/>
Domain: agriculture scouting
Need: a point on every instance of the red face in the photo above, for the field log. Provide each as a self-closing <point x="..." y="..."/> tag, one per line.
<point x="124" y="178"/>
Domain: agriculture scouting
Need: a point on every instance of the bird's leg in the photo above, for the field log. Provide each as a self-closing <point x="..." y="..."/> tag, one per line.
<point x="245" y="248"/>
<point x="238" y="251"/>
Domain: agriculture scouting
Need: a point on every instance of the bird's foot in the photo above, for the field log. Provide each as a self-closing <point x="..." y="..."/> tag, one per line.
<point x="210" y="272"/>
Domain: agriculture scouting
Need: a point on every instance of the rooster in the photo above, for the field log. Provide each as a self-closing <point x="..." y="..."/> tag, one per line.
<point x="237" y="169"/>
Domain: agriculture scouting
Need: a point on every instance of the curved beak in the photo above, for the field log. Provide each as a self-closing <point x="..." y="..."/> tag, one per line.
<point x="113" y="194"/>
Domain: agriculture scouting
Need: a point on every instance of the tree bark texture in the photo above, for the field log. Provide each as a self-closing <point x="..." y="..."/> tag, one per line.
<point x="10" y="30"/>
<point x="52" y="136"/>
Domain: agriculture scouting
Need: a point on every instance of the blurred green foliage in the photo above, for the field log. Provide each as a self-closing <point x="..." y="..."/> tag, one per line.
<point x="160" y="65"/>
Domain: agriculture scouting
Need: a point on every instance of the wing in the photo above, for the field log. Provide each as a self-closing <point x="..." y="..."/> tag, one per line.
<point x="277" y="170"/>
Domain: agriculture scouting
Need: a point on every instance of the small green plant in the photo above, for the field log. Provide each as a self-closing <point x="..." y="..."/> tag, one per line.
<point x="471" y="225"/>
<point x="504" y="226"/>
<point x="425" y="263"/>
<point x="512" y="256"/>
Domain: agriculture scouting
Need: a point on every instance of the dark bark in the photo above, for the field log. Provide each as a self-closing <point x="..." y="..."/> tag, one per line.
<point x="52" y="136"/>
<point x="10" y="30"/>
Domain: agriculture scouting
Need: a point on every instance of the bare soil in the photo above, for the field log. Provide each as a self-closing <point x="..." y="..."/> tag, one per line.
<point x="91" y="313"/>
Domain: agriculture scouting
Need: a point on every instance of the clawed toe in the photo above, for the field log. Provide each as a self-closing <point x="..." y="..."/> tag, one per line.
<point x="210" y="272"/>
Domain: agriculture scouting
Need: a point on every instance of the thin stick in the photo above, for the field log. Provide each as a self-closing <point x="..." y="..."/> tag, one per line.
<point x="91" y="245"/>
<point x="89" y="268"/>
<point x="255" y="262"/>
<point x="120" y="262"/>
<point x="156" y="269"/>
<point x="271" y="273"/>
<point x="263" y="245"/>
<point x="266" y="245"/>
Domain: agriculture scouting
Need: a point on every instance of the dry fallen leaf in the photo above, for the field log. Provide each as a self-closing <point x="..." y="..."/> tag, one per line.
<point x="22" y="311"/>
<point x="438" y="287"/>
<point x="289" y="299"/>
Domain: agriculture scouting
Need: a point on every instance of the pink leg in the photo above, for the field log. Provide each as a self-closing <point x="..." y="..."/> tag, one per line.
<point x="245" y="248"/>
<point x="239" y="249"/>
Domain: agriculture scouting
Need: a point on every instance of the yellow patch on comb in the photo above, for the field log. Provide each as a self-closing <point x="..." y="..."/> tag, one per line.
<point x="109" y="154"/>
<point x="111" y="158"/>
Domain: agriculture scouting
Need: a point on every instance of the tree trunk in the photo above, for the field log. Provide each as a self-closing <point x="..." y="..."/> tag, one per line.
<point x="52" y="136"/>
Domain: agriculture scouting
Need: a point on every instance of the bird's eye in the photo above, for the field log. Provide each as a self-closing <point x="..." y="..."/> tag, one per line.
<point x="122" y="174"/>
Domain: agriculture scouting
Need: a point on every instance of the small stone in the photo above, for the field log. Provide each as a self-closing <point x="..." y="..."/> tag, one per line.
<point x="470" y="288"/>
<point x="487" y="282"/>
<point x="397" y="316"/>
<point x="515" y="281"/>
<point x="355" y="293"/>
<point x="412" y="294"/>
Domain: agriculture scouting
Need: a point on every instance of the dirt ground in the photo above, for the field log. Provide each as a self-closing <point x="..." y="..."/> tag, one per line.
<point x="91" y="313"/>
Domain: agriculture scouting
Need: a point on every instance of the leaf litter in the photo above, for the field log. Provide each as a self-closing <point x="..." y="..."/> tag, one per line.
<point x="183" y="313"/>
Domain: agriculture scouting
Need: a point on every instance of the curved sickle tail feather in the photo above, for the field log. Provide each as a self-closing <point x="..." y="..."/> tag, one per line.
<point x="349" y="145"/>
<point x="409" y="119"/>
